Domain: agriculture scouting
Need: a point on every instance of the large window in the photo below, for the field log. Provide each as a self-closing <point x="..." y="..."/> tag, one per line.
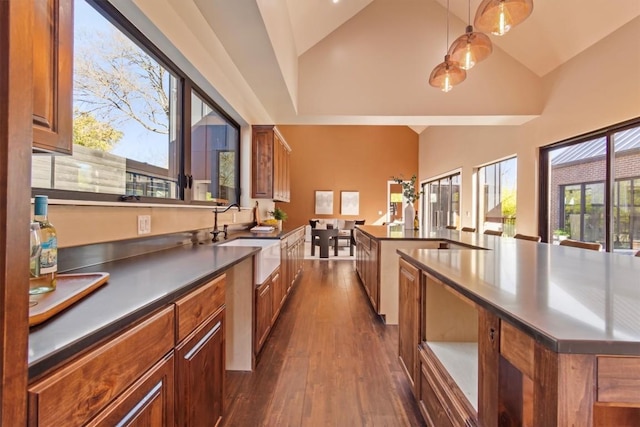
<point x="497" y="196"/>
<point x="442" y="202"/>
<point x="592" y="186"/>
<point x="129" y="101"/>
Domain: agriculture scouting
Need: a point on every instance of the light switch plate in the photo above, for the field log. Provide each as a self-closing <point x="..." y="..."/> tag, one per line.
<point x="144" y="224"/>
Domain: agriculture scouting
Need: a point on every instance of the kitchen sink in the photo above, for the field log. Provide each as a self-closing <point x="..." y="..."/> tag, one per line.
<point x="266" y="261"/>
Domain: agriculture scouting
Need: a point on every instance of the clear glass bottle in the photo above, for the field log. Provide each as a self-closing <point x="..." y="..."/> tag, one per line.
<point x="46" y="280"/>
<point x="416" y="222"/>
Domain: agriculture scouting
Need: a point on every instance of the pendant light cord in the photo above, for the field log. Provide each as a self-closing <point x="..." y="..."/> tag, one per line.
<point x="446" y="48"/>
<point x="469" y="14"/>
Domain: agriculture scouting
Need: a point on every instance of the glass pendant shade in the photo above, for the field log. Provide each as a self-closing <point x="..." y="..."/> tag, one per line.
<point x="470" y="48"/>
<point x="447" y="74"/>
<point x="499" y="16"/>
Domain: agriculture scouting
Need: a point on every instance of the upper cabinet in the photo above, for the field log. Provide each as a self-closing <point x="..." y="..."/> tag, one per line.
<point x="270" y="165"/>
<point x="52" y="76"/>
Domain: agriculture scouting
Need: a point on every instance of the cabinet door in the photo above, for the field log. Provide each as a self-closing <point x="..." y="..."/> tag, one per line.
<point x="77" y="392"/>
<point x="262" y="163"/>
<point x="200" y="375"/>
<point x="277" y="168"/>
<point x="148" y="402"/>
<point x="373" y="274"/>
<point x="52" y="75"/>
<point x="276" y="295"/>
<point x="408" y="321"/>
<point x="263" y="314"/>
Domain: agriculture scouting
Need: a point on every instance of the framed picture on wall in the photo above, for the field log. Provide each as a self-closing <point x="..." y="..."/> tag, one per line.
<point x="349" y="203"/>
<point x="324" y="202"/>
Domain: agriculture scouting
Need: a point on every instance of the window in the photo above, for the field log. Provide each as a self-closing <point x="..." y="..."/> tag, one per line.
<point x="128" y="103"/>
<point x="442" y="202"/>
<point x="214" y="154"/>
<point x="593" y="188"/>
<point x="497" y="196"/>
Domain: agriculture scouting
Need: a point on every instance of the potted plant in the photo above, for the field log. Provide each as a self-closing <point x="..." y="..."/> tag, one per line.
<point x="279" y="215"/>
<point x="410" y="194"/>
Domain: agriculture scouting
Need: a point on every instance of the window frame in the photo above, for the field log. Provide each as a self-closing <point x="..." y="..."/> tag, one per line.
<point x="183" y="151"/>
<point x="426" y="216"/>
<point x="479" y="193"/>
<point x="544" y="190"/>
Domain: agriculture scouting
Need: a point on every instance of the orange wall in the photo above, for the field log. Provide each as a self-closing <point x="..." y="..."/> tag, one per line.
<point x="346" y="158"/>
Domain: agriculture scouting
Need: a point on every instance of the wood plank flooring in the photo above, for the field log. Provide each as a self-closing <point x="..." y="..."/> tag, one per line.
<point x="330" y="361"/>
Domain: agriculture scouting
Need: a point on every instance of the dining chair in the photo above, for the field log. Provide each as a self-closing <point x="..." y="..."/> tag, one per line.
<point x="594" y="246"/>
<point x="638" y="254"/>
<point x="471" y="229"/>
<point x="451" y="227"/>
<point x="525" y="237"/>
<point x="493" y="233"/>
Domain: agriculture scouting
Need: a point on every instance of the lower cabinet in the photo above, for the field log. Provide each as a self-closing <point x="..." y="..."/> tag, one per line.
<point x="148" y="402"/>
<point x="263" y="314"/>
<point x="141" y="377"/>
<point x="367" y="266"/>
<point x="75" y="393"/>
<point x="278" y="293"/>
<point x="409" y="287"/>
<point x="200" y="375"/>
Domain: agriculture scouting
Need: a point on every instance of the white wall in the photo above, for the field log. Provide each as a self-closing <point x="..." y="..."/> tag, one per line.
<point x="597" y="88"/>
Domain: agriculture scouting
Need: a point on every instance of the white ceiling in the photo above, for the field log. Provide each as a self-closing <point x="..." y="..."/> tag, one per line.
<point x="304" y="80"/>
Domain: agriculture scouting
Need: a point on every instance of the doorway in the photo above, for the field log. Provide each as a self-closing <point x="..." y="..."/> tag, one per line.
<point x="396" y="210"/>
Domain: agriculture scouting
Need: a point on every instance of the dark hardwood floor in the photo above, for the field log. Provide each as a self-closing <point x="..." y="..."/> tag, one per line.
<point x="330" y="361"/>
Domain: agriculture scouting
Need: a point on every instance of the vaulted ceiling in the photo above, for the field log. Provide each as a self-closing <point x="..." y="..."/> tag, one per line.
<point x="368" y="61"/>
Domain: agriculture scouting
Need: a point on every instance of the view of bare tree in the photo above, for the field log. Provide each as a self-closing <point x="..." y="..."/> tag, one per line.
<point x="116" y="81"/>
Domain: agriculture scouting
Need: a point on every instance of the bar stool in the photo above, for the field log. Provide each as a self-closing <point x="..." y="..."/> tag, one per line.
<point x="593" y="246"/>
<point x="451" y="227"/>
<point x="471" y="229"/>
<point x="525" y="237"/>
<point x="493" y="233"/>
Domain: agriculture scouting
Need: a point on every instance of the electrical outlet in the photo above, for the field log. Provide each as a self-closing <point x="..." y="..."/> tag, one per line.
<point x="144" y="224"/>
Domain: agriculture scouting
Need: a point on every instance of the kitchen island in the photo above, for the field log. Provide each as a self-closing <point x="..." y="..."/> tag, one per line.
<point x="377" y="260"/>
<point x="524" y="333"/>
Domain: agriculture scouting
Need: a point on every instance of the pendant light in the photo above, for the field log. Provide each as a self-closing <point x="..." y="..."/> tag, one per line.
<point x="447" y="74"/>
<point x="471" y="47"/>
<point x="499" y="16"/>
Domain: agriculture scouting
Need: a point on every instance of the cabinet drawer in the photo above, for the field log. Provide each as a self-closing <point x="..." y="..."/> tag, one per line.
<point x="78" y="391"/>
<point x="445" y="392"/>
<point x="199" y="305"/>
<point x="618" y="379"/>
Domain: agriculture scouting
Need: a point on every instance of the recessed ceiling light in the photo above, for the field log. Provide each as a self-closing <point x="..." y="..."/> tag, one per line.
<point x="335" y="1"/>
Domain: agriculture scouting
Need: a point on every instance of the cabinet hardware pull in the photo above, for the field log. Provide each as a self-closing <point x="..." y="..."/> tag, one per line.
<point x="492" y="334"/>
<point x="202" y="342"/>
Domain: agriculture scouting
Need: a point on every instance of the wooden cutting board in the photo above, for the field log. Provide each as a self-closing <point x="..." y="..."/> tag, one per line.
<point x="70" y="288"/>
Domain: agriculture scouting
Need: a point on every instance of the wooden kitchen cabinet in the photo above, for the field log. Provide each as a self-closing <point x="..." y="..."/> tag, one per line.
<point x="200" y="355"/>
<point x="52" y="76"/>
<point x="148" y="402"/>
<point x="292" y="258"/>
<point x="270" y="164"/>
<point x="263" y="314"/>
<point x="278" y="293"/>
<point x="408" y="322"/>
<point x="200" y="375"/>
<point x="367" y="267"/>
<point x="78" y="391"/>
<point x="141" y="377"/>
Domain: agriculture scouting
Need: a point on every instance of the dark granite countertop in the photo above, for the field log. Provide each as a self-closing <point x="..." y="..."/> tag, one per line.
<point x="571" y="300"/>
<point x="137" y="286"/>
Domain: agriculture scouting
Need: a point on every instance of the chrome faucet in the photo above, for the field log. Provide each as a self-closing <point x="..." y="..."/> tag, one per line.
<point x="215" y="231"/>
